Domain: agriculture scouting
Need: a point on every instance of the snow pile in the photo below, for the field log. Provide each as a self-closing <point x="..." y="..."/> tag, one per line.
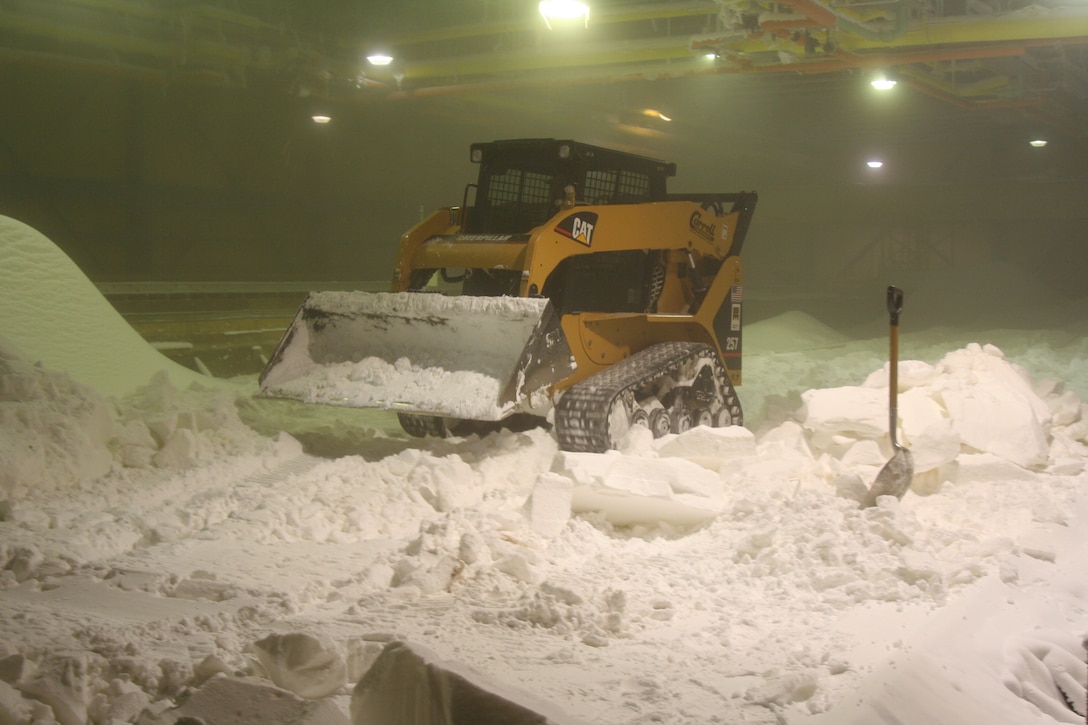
<point x="376" y="383"/>
<point x="52" y="313"/>
<point x="160" y="560"/>
<point x="680" y="579"/>
<point x="970" y="407"/>
<point x="60" y="433"/>
<point x="791" y="330"/>
<point x="451" y="356"/>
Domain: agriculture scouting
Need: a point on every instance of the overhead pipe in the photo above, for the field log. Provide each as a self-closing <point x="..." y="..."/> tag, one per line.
<point x="988" y="86"/>
<point x="112" y="69"/>
<point x="842" y="60"/>
<point x="960" y="101"/>
<point x="1065" y="25"/>
<point x="662" y="57"/>
<point x="694" y="68"/>
<point x="815" y="16"/>
<point x="173" y="49"/>
<point x="691" y="69"/>
<point x="1065" y="126"/>
<point x="863" y="29"/>
<point x="812" y="17"/>
<point x="208" y="14"/>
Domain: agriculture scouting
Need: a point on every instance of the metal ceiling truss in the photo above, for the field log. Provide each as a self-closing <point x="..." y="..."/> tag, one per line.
<point x="976" y="53"/>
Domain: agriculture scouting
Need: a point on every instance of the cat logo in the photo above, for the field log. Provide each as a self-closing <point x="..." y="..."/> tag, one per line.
<point x="579" y="227"/>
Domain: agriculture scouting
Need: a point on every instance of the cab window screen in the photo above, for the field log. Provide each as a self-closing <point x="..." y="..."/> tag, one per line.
<point x="611" y="186"/>
<point x="633" y="186"/>
<point x="517" y="201"/>
<point x="600" y="187"/>
<point x="517" y="186"/>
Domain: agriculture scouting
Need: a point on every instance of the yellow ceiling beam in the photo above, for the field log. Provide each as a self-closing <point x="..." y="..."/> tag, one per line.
<point x="558" y="57"/>
<point x="165" y="48"/>
<point x="45" y="28"/>
<point x="984" y="88"/>
<point x="533" y="22"/>
<point x="1052" y="25"/>
<point x="1064" y="27"/>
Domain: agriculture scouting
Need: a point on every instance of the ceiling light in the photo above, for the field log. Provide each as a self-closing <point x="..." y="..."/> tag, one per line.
<point x="874" y="163"/>
<point x="882" y="83"/>
<point x="710" y="56"/>
<point x="379" y="59"/>
<point x="321" y="118"/>
<point x="1038" y="143"/>
<point x="653" y="113"/>
<point x="563" y="10"/>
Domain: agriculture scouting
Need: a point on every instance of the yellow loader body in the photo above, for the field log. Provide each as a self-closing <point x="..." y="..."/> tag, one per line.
<point x="571" y="260"/>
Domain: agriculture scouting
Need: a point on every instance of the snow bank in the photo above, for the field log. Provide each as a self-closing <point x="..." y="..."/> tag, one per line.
<point x="972" y="401"/>
<point x="480" y="549"/>
<point x="715" y="575"/>
<point x="59" y="432"/>
<point x="791" y="330"/>
<point x="53" y="314"/>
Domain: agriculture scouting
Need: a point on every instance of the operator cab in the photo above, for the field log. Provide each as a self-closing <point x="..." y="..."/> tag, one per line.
<point x="522" y="183"/>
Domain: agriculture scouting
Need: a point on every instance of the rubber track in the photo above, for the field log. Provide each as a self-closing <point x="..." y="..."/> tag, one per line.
<point x="581" y="417"/>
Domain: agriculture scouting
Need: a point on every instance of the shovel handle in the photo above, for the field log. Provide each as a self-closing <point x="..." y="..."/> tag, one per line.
<point x="895" y="306"/>
<point x="895" y="303"/>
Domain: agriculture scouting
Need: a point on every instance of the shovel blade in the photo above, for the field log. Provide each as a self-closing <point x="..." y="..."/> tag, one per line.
<point x="894" y="478"/>
<point x="478" y="358"/>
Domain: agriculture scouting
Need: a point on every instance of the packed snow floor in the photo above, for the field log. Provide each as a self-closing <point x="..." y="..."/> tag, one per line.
<point x="165" y="538"/>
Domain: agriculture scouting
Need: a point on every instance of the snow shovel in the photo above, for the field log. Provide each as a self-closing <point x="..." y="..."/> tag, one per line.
<point x="894" y="478"/>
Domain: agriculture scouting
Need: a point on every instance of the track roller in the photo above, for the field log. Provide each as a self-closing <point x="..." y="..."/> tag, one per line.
<point x="669" y="387"/>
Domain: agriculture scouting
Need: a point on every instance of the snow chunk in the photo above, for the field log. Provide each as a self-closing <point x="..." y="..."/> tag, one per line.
<point x="629" y="490"/>
<point x="855" y="410"/>
<point x="409" y="683"/>
<point x="709" y="447"/>
<point x="550" y="504"/>
<point x="1000" y="421"/>
<point x="67" y="683"/>
<point x="247" y="701"/>
<point x="308" y="666"/>
<point x="53" y="430"/>
<point x="14" y="708"/>
<point x="993" y="406"/>
<point x="179" y="452"/>
<point x="453" y="485"/>
<point x="910" y="374"/>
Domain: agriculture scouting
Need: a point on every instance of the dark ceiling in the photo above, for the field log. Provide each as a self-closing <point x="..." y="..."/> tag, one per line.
<point x="188" y="123"/>
<point x="972" y="53"/>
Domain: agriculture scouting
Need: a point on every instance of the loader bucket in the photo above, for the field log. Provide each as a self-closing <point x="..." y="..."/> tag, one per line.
<point x="474" y="358"/>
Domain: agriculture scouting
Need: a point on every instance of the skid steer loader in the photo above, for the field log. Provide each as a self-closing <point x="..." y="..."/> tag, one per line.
<point x="569" y="283"/>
